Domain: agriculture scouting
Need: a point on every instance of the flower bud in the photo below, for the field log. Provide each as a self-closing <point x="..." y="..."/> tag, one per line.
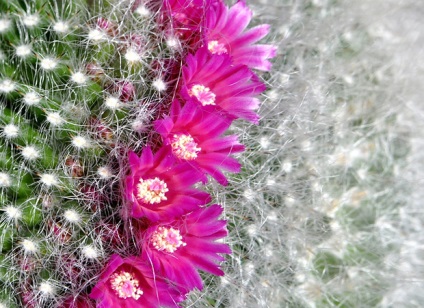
<point x="106" y="25"/>
<point x="123" y="89"/>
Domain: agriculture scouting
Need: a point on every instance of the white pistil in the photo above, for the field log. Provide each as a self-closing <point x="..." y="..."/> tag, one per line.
<point x="204" y="95"/>
<point x="167" y="239"/>
<point x="152" y="190"/>
<point x="184" y="147"/>
<point x="125" y="285"/>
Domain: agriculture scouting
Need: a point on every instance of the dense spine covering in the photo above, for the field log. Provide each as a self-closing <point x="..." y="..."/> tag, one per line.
<point x="102" y="181"/>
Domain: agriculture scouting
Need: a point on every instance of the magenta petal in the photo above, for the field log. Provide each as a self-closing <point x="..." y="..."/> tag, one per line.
<point x="252" y="35"/>
<point x="163" y="127"/>
<point x="184" y="275"/>
<point x="175" y="181"/>
<point x="163" y="160"/>
<point x="156" y="291"/>
<point x="205" y="127"/>
<point x="255" y="56"/>
<point x="213" y="124"/>
<point x="175" y="109"/>
<point x="225" y="81"/>
<point x="133" y="160"/>
<point x="208" y="214"/>
<point x="226" y="26"/>
<point x="241" y="15"/>
<point x="225" y="162"/>
<point x="205" y="264"/>
<point x="205" y="222"/>
<point x="189" y="113"/>
<point x="207" y="229"/>
<point x="146" y="158"/>
<point x="185" y="177"/>
<point x="226" y="144"/>
<point x="216" y="174"/>
<point x="196" y="249"/>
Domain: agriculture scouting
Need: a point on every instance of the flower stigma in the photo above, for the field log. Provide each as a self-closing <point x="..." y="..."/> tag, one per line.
<point x="125" y="285"/>
<point x="203" y="94"/>
<point x="217" y="48"/>
<point x="152" y="190"/>
<point x="184" y="146"/>
<point x="168" y="239"/>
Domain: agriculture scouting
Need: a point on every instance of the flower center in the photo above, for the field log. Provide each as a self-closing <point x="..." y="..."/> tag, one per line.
<point x="125" y="285"/>
<point x="152" y="190"/>
<point x="217" y="48"/>
<point x="203" y="94"/>
<point x="168" y="239"/>
<point x="184" y="147"/>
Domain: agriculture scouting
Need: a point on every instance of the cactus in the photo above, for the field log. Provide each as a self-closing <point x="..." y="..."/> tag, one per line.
<point x="108" y="139"/>
<point x="47" y="149"/>
<point x="118" y="131"/>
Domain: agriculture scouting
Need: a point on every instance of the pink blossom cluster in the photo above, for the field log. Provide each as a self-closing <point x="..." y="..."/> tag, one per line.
<point x="177" y="232"/>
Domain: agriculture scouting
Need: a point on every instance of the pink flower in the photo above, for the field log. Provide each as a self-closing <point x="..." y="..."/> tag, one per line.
<point x="158" y="188"/>
<point x="213" y="82"/>
<point x="179" y="248"/>
<point x="129" y="283"/>
<point x="225" y="34"/>
<point x="106" y="25"/>
<point x="183" y="18"/>
<point x="94" y="70"/>
<point x="195" y="135"/>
